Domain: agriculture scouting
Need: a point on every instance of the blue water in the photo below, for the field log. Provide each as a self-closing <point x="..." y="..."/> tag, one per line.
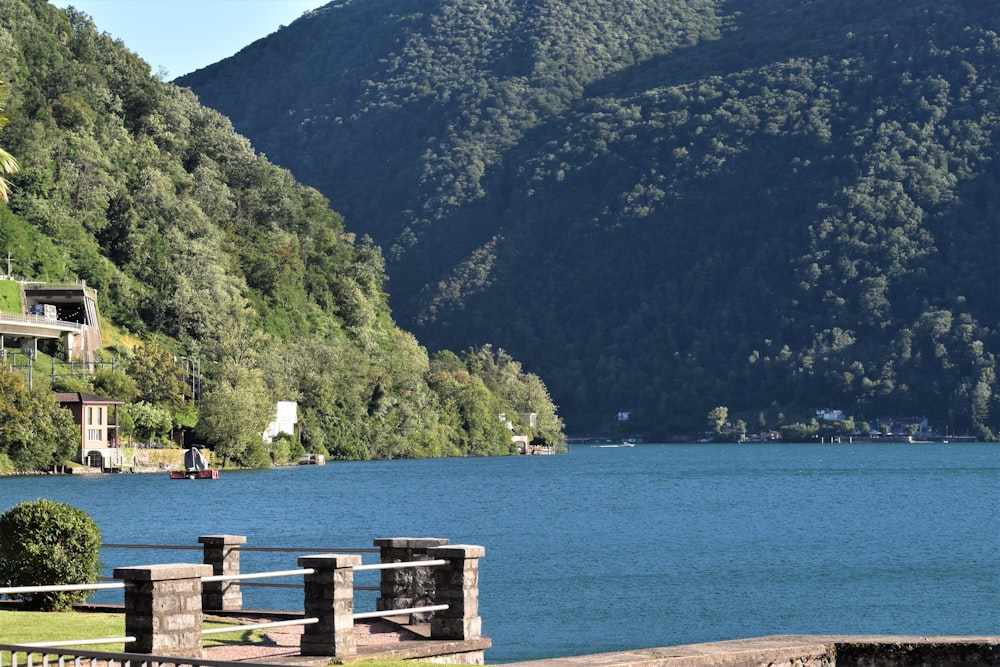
<point x="618" y="548"/>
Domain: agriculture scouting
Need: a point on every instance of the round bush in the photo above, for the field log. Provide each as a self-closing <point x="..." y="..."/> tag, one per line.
<point x="45" y="543"/>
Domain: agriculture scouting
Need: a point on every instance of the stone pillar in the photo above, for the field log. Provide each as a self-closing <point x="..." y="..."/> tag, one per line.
<point x="457" y="585"/>
<point x="407" y="587"/>
<point x="329" y="596"/>
<point x="163" y="608"/>
<point x="222" y="552"/>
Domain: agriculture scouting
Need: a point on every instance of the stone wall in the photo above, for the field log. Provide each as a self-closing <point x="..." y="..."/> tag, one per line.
<point x="802" y="651"/>
<point x="901" y="652"/>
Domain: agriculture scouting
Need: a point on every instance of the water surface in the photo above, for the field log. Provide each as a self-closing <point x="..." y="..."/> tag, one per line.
<point x="620" y="548"/>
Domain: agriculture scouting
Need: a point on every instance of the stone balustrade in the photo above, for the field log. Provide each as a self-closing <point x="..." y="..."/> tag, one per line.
<point x="164" y="604"/>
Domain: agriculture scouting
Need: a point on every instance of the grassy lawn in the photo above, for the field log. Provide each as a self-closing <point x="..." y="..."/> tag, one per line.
<point x="34" y="626"/>
<point x="10" y="297"/>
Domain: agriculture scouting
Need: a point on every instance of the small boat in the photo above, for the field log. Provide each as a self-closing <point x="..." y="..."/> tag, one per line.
<point x="195" y="467"/>
<point x="194" y="474"/>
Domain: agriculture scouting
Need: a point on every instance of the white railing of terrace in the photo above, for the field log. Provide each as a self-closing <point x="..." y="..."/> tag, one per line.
<point x="218" y="578"/>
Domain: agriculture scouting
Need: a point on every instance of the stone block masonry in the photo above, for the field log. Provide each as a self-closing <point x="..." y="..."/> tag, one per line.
<point x="329" y="597"/>
<point x="407" y="587"/>
<point x="163" y="608"/>
<point x="457" y="585"/>
<point x="222" y="552"/>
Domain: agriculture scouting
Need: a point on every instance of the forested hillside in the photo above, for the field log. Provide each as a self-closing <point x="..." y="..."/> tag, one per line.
<point x="200" y="249"/>
<point x="668" y="206"/>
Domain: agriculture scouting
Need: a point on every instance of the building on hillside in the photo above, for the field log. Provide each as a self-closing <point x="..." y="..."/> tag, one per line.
<point x="828" y="415"/>
<point x="97" y="417"/>
<point x="522" y="440"/>
<point x="286" y="418"/>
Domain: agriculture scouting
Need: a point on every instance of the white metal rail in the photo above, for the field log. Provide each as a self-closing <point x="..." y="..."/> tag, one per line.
<point x="385" y="613"/>
<point x="80" y="642"/>
<point x="17" y="590"/>
<point x="400" y="565"/>
<point x="212" y="578"/>
<point x="259" y="626"/>
<point x="113" y="585"/>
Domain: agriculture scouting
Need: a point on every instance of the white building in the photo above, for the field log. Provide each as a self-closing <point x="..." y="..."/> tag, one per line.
<point x="286" y="416"/>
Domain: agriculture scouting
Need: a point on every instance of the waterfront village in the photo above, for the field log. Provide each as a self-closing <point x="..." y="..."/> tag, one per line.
<point x="889" y="429"/>
<point x="64" y="317"/>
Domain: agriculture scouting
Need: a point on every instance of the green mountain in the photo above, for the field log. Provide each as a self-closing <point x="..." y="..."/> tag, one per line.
<point x="668" y="206"/>
<point x="201" y="249"/>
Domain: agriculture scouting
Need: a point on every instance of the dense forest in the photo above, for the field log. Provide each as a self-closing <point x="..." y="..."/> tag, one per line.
<point x="199" y="248"/>
<point x="670" y="206"/>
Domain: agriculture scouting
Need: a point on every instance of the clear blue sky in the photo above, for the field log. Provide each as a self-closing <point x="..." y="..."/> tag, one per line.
<point x="181" y="36"/>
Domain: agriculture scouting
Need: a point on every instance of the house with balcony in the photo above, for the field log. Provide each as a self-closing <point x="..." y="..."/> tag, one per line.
<point x="97" y="417"/>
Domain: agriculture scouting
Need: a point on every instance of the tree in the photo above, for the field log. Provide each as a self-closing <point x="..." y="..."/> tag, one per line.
<point x="45" y="543"/>
<point x="234" y="413"/>
<point x="8" y="165"/>
<point x="717" y="418"/>
<point x="473" y="424"/>
<point x="157" y="376"/>
<point x="148" y="421"/>
<point x="115" y="384"/>
<point x="35" y="432"/>
<point x="285" y="448"/>
<point x="740" y="430"/>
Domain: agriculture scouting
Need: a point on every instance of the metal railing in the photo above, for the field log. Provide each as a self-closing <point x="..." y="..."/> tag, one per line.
<point x="11" y="656"/>
<point x="259" y="626"/>
<point x="113" y="584"/>
<point x="20" y="590"/>
<point x="40" y="319"/>
<point x="246" y="549"/>
<point x="385" y="613"/>
<point x="80" y="642"/>
<point x="120" y="585"/>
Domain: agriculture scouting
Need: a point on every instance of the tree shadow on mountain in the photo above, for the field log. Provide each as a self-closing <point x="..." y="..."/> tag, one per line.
<point x="756" y="34"/>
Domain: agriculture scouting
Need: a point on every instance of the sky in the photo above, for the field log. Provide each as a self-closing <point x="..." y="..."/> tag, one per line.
<point x="181" y="36"/>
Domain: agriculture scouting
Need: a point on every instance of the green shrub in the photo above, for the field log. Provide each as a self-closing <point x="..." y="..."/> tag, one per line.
<point x="44" y="543"/>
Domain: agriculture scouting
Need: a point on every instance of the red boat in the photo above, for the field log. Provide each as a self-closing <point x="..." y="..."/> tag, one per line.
<point x="195" y="467"/>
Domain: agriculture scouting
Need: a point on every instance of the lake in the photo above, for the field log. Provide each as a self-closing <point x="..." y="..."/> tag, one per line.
<point x="619" y="548"/>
